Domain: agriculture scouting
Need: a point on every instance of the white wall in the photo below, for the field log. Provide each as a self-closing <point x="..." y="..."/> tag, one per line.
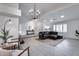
<point x="36" y="25"/>
<point x="23" y="28"/>
<point x="10" y="10"/>
<point x="14" y="26"/>
<point x="72" y="26"/>
<point x="12" y="5"/>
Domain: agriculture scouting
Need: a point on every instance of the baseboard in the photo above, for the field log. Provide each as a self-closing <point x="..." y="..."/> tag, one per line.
<point x="70" y="38"/>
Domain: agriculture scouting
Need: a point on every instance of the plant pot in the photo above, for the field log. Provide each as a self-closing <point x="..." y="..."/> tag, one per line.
<point x="5" y="41"/>
<point x="22" y="42"/>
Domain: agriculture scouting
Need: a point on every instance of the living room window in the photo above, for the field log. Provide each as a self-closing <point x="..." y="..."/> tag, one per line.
<point x="64" y="27"/>
<point x="60" y="27"/>
<point x="54" y="27"/>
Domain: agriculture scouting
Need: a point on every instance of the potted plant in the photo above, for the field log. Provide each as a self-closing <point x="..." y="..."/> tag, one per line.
<point x="5" y="34"/>
<point x="76" y="33"/>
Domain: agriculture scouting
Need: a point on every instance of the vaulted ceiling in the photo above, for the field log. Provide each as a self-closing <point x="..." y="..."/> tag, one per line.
<point x="45" y="9"/>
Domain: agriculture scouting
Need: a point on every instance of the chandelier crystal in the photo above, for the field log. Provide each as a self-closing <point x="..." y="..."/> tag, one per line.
<point x="34" y="13"/>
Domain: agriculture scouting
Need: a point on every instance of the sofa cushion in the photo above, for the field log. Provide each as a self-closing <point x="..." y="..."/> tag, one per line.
<point x="53" y="35"/>
<point x="4" y="52"/>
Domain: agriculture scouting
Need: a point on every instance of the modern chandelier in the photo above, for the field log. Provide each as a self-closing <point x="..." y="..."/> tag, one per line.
<point x="34" y="13"/>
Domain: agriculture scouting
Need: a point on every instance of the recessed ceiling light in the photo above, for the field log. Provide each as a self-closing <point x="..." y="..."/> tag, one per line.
<point x="51" y="20"/>
<point x="62" y="16"/>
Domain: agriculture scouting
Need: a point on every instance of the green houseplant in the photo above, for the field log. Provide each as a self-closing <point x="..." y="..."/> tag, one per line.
<point x="76" y="33"/>
<point x="4" y="34"/>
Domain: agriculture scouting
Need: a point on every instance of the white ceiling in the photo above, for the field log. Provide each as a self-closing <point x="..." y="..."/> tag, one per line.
<point x="12" y="5"/>
<point x="50" y="10"/>
<point x="43" y="7"/>
<point x="69" y="13"/>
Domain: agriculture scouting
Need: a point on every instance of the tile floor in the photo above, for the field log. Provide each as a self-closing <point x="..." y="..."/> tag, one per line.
<point x="68" y="47"/>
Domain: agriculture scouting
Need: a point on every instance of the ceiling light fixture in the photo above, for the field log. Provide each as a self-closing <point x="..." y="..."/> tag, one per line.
<point x="51" y="20"/>
<point x="62" y="16"/>
<point x="34" y="13"/>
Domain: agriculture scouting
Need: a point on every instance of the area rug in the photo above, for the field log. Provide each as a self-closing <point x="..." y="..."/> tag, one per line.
<point x="51" y="42"/>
